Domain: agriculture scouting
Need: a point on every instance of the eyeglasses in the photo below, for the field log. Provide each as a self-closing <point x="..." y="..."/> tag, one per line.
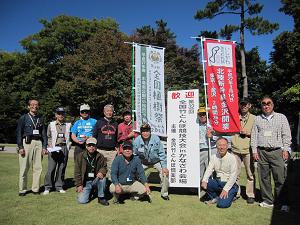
<point x="84" y="111"/>
<point x="91" y="145"/>
<point x="60" y="113"/>
<point x="201" y="114"/>
<point x="269" y="103"/>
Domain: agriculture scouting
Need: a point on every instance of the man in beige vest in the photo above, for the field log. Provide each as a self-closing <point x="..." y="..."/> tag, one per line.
<point x="59" y="144"/>
<point x="241" y="148"/>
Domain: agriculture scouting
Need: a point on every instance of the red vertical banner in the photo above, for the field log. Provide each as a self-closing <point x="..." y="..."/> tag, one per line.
<point x="222" y="93"/>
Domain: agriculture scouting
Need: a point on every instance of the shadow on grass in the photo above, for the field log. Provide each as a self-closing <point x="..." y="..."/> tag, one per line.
<point x="69" y="183"/>
<point x="289" y="195"/>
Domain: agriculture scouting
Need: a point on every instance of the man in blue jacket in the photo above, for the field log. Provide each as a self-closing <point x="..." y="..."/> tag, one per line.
<point x="128" y="176"/>
<point x="151" y="152"/>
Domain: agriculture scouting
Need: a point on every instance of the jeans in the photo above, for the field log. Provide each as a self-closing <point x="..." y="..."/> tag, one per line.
<point x="84" y="196"/>
<point x="214" y="189"/>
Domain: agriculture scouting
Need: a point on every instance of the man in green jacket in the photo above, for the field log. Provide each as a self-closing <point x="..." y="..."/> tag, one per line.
<point x="90" y="172"/>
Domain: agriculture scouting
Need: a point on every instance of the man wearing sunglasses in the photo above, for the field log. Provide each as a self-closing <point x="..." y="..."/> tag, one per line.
<point x="82" y="129"/>
<point x="90" y="172"/>
<point x="270" y="143"/>
<point x="58" y="137"/>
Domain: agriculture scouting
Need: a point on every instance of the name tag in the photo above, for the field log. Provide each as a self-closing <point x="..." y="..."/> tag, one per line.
<point x="91" y="175"/>
<point x="268" y="133"/>
<point x="35" y="132"/>
<point x="108" y="137"/>
<point x="128" y="179"/>
<point x="60" y="135"/>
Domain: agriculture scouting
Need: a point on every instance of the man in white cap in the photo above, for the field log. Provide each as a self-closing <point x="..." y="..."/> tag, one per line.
<point x="82" y="129"/>
<point x="90" y="172"/>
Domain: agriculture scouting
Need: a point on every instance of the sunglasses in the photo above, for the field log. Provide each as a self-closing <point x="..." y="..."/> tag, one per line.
<point x="269" y="103"/>
<point x="84" y="111"/>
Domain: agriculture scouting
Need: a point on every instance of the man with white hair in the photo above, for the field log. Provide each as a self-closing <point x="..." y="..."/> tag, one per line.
<point x="106" y="131"/>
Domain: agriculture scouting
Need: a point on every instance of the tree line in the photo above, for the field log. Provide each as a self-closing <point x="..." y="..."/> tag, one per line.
<point x="71" y="61"/>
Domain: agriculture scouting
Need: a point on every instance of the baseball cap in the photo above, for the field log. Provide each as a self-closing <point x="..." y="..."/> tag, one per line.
<point x="145" y="127"/>
<point x="91" y="140"/>
<point x="85" y="107"/>
<point x="244" y="101"/>
<point x="201" y="110"/>
<point x="127" y="145"/>
<point x="60" y="109"/>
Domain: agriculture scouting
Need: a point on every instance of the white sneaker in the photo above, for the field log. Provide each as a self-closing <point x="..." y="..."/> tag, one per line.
<point x="46" y="192"/>
<point x="266" y="205"/>
<point x="285" y="208"/>
<point x="212" y="201"/>
<point x="62" y="191"/>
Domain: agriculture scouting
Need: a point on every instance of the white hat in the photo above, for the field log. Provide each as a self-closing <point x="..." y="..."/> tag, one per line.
<point x="85" y="107"/>
<point x="91" y="140"/>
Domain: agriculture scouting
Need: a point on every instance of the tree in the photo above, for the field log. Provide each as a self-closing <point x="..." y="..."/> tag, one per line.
<point x="98" y="73"/>
<point x="284" y="79"/>
<point x="256" y="25"/>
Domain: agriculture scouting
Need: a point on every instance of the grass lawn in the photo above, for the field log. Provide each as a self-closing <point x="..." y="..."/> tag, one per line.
<point x="56" y="208"/>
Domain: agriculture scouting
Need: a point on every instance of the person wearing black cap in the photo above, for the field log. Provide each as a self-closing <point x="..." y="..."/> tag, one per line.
<point x="152" y="154"/>
<point x="128" y="175"/>
<point x="58" y="137"/>
<point x="240" y="147"/>
<point x="125" y="132"/>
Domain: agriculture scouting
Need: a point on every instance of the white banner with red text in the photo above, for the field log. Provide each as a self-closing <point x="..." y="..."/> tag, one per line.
<point x="183" y="138"/>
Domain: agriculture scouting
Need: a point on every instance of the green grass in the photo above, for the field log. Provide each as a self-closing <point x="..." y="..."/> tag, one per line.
<point x="59" y="208"/>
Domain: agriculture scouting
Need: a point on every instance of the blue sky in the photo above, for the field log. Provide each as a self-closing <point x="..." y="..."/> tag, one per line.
<point x="20" y="18"/>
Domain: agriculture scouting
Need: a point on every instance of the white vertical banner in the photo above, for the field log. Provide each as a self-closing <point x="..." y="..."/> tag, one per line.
<point x="183" y="138"/>
<point x="149" y="88"/>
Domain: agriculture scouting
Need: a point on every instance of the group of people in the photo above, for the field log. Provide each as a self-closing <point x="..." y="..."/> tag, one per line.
<point x="265" y="139"/>
<point x="105" y="153"/>
<point x="110" y="153"/>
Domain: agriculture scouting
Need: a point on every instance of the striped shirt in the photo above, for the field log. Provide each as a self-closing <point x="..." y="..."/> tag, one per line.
<point x="271" y="132"/>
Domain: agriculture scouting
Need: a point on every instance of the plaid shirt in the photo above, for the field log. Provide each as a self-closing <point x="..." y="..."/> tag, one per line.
<point x="271" y="132"/>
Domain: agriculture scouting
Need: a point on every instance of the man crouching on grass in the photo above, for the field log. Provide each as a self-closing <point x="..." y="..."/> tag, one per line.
<point x="128" y="176"/>
<point x="223" y="188"/>
<point x="90" y="171"/>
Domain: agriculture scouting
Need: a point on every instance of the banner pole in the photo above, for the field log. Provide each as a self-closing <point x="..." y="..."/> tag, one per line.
<point x="205" y="94"/>
<point x="205" y="98"/>
<point x="132" y="86"/>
